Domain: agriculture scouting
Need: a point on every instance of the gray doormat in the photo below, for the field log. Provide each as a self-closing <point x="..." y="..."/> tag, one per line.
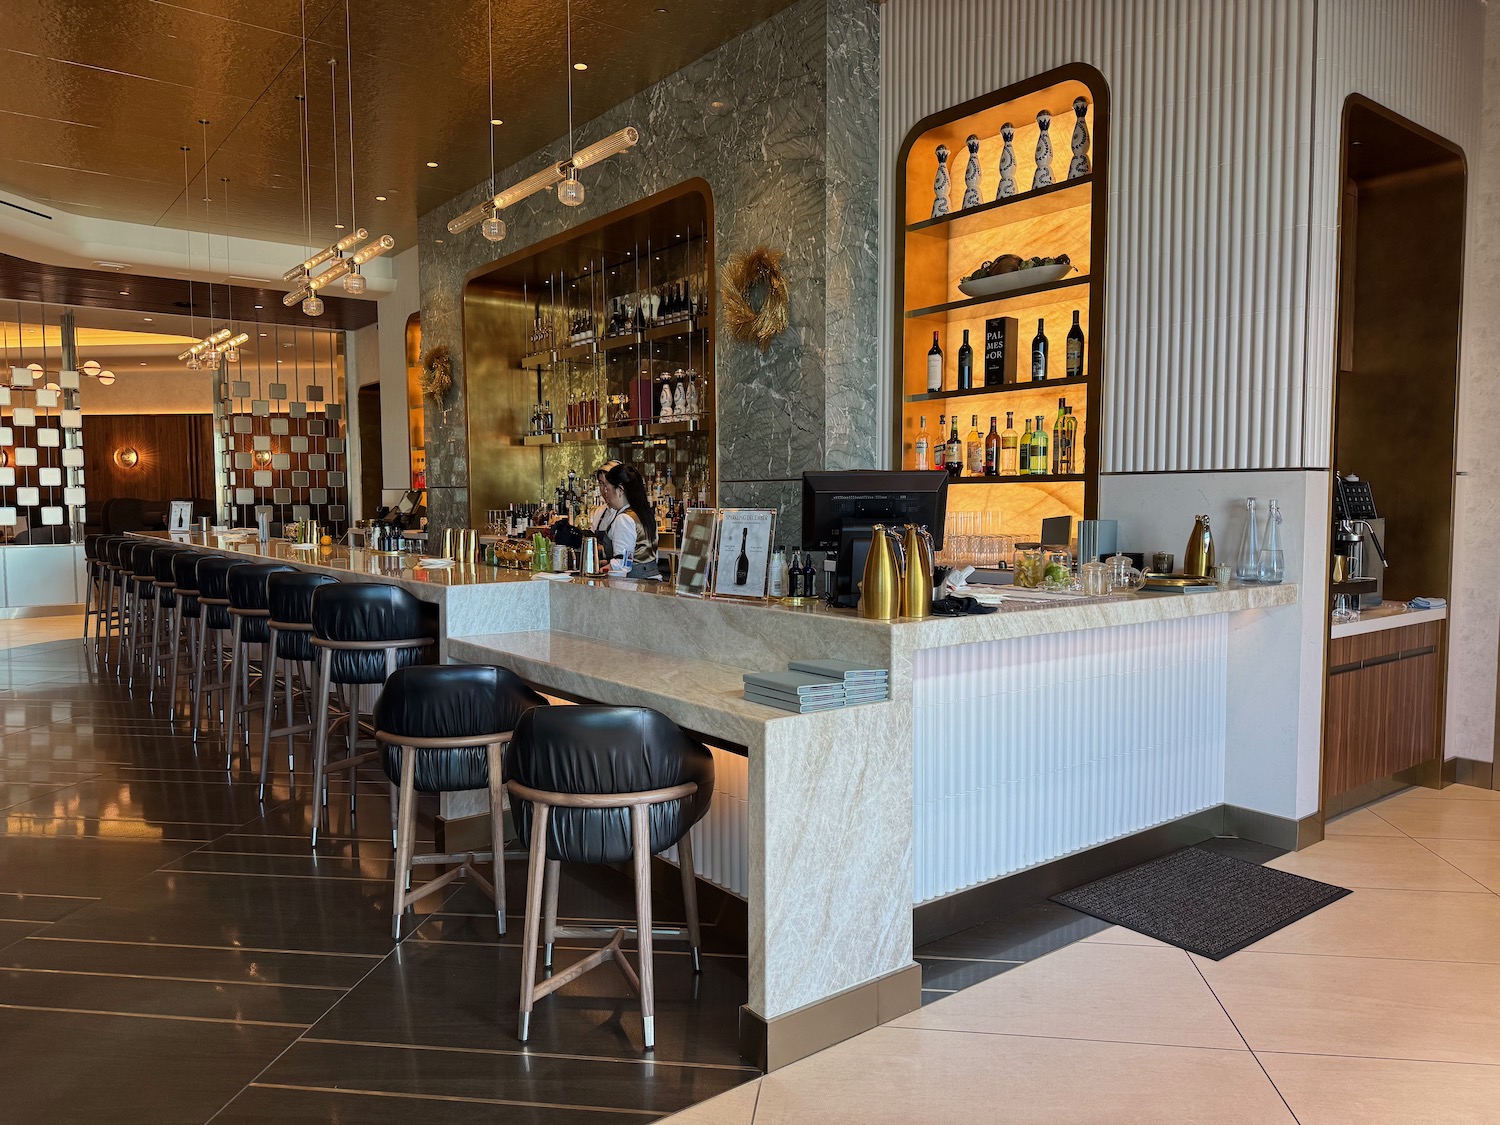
<point x="1201" y="901"/>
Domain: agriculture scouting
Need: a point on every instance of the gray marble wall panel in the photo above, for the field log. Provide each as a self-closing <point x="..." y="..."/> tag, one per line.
<point x="791" y="161"/>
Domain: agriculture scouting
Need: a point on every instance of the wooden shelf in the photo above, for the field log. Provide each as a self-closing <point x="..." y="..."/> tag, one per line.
<point x="1017" y="208"/>
<point x="1014" y="388"/>
<point x="1041" y="478"/>
<point x="592" y="348"/>
<point x="1081" y="281"/>
<point x="632" y="431"/>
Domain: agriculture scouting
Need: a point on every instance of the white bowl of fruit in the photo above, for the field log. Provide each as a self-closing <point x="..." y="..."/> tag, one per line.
<point x="1010" y="272"/>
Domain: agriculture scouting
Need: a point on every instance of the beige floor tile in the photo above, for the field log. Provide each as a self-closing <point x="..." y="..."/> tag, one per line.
<point x="1329" y="1090"/>
<point x="1384" y="862"/>
<point x="734" y="1107"/>
<point x="1122" y="993"/>
<point x="1119" y="935"/>
<point x="1416" y="925"/>
<point x="16" y="632"/>
<point x="1436" y="1010"/>
<point x="1450" y="793"/>
<point x="1442" y="820"/>
<point x="1477" y="858"/>
<point x="897" y="1076"/>
<point x="1360" y="822"/>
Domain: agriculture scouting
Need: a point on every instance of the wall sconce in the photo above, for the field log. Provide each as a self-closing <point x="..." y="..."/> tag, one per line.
<point x="127" y="458"/>
<point x="263" y="458"/>
<point x="4" y="458"/>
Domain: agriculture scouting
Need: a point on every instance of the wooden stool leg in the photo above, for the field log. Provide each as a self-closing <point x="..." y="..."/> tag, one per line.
<point x="320" y="740"/>
<point x="549" y="910"/>
<point x="155" y="653"/>
<point x="497" y="829"/>
<point x="690" y="897"/>
<point x="200" y="660"/>
<point x="640" y="824"/>
<point x="232" y="692"/>
<point x="268" y="709"/>
<point x="353" y="732"/>
<point x="405" y="835"/>
<point x="176" y="650"/>
<point x="534" y="866"/>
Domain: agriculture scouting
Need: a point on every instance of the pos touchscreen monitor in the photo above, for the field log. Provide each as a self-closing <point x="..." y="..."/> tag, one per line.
<point x="840" y="508"/>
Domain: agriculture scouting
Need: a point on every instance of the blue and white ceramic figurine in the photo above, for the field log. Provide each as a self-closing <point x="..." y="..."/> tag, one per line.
<point x="1043" y="177"/>
<point x="1007" y="162"/>
<point x="1079" y="165"/>
<point x="972" y="174"/>
<point x="940" y="184"/>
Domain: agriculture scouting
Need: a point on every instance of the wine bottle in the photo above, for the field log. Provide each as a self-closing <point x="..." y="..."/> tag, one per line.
<point x="1039" y="449"/>
<point x="974" y="448"/>
<point x="1074" y="352"/>
<point x="794" y="576"/>
<point x="1025" y="451"/>
<point x="1059" y="436"/>
<point x="1010" y="443"/>
<point x="934" y="367"/>
<point x="924" y="442"/>
<point x="940" y="449"/>
<point x="953" y="461"/>
<point x="1071" y="462"/>
<point x="742" y="562"/>
<point x="965" y="364"/>
<point x="1039" y="353"/>
<point x="992" y="450"/>
<point x="809" y="576"/>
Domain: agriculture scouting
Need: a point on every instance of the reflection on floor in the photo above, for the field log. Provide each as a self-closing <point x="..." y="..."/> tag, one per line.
<point x="1381" y="1009"/>
<point x="170" y="951"/>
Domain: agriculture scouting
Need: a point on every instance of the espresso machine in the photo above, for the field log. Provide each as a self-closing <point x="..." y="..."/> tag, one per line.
<point x="1358" y="569"/>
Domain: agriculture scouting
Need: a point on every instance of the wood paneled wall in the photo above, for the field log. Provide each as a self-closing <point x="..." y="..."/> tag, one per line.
<point x="176" y="456"/>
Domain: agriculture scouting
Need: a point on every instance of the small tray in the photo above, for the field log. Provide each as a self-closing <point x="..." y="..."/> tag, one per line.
<point x="1176" y="580"/>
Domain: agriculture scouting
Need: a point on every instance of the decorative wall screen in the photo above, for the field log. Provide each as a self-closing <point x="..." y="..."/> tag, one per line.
<point x="41" y="453"/>
<point x="281" y="430"/>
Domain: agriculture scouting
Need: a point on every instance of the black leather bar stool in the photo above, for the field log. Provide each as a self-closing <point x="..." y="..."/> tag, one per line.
<point x="93" y="589"/>
<point x="116" y="557"/>
<point x="604" y="785"/>
<point x="162" y="614"/>
<point x="289" y="598"/>
<point x="442" y="729"/>
<point x="249" y="613"/>
<point x="213" y="596"/>
<point x="103" y="577"/>
<point x="187" y="609"/>
<point x="364" y="631"/>
<point x="142" y="587"/>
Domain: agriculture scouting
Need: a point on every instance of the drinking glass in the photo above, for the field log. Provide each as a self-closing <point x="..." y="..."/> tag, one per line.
<point x="1095" y="579"/>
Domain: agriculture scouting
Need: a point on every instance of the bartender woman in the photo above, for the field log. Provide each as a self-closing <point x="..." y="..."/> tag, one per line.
<point x="626" y="524"/>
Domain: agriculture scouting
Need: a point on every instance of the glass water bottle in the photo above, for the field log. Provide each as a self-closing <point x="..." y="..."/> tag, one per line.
<point x="1247" y="562"/>
<point x="1271" y="563"/>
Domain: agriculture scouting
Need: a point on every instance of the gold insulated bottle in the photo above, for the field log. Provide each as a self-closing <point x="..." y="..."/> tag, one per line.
<point x="916" y="581"/>
<point x="880" y="590"/>
<point x="1198" y="561"/>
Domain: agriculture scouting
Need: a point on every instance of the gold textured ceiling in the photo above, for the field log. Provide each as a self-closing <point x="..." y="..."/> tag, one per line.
<point x="98" y="96"/>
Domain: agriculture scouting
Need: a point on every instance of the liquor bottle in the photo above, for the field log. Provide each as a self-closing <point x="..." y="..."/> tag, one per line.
<point x="953" y="459"/>
<point x="940" y="449"/>
<point x="1070" y="462"/>
<point x="992" y="450"/>
<point x="974" y="448"/>
<point x="742" y="561"/>
<point x="924" y="442"/>
<point x="1010" y="443"/>
<point x="1039" y="353"/>
<point x="547" y="417"/>
<point x="1074" y="352"/>
<point x="1039" y="449"/>
<point x="934" y="366"/>
<point x="1025" y="451"/>
<point x="809" y="576"/>
<point x="965" y="364"/>
<point x="794" y="576"/>
<point x="669" y="489"/>
<point x="1060" y="436"/>
<point x="776" y="583"/>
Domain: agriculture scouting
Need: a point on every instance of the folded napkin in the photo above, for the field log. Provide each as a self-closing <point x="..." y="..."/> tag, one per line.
<point x="434" y="564"/>
<point x="1427" y="603"/>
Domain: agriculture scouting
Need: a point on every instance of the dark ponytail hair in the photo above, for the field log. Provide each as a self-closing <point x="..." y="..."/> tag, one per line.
<point x="628" y="478"/>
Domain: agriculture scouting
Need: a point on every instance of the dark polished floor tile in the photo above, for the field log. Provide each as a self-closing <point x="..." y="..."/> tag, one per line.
<point x="156" y="996"/>
<point x="299" y="844"/>
<point x="260" y="1104"/>
<point x="504" y="1075"/>
<point x="187" y="799"/>
<point x="301" y="865"/>
<point x="127" y="1070"/>
<point x="40" y="864"/>
<point x="232" y="966"/>
<point x="1024" y="934"/>
<point x="953" y="975"/>
<point x="15" y="795"/>
<point x="12" y="932"/>
<point x="468" y="996"/>
<point x="63" y="826"/>
<point x="254" y="912"/>
<point x="38" y="908"/>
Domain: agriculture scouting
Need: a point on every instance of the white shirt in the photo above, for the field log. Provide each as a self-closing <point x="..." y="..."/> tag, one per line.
<point x="621" y="532"/>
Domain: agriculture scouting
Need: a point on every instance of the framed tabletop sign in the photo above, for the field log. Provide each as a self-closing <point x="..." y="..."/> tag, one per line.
<point x="742" y="553"/>
<point x="696" y="553"/>
<point x="181" y="515"/>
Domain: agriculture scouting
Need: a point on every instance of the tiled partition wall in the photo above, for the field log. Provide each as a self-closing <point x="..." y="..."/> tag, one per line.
<point x="281" y="429"/>
<point x="41" y="448"/>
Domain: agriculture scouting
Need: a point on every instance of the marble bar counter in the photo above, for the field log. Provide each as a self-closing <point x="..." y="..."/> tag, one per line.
<point x="1009" y="740"/>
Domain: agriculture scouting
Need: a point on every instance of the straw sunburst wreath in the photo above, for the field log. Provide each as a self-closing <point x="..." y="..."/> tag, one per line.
<point x="758" y="270"/>
<point x="437" y="373"/>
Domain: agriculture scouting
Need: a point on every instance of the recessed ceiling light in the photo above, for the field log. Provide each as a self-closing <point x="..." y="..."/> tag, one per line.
<point x="116" y="266"/>
<point x="432" y="164"/>
<point x="260" y="306"/>
<point x="280" y="361"/>
<point x="338" y="226"/>
<point x="143" y="363"/>
<point x="496" y="121"/>
<point x="147" y="319"/>
<point x="439" y="241"/>
<point x="262" y="335"/>
<point x="379" y="198"/>
<point x="580" y="66"/>
<point x="124" y="292"/>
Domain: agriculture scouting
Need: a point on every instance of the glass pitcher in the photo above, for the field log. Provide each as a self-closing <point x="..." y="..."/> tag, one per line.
<point x="1123" y="577"/>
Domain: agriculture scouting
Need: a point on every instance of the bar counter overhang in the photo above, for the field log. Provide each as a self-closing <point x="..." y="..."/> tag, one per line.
<point x="1009" y="740"/>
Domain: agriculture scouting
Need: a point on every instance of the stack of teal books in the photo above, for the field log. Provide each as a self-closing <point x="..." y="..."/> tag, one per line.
<point x="818" y="685"/>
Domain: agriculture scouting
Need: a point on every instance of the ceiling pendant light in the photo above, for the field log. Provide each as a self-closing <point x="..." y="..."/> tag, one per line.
<point x="570" y="192"/>
<point x="493" y="227"/>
